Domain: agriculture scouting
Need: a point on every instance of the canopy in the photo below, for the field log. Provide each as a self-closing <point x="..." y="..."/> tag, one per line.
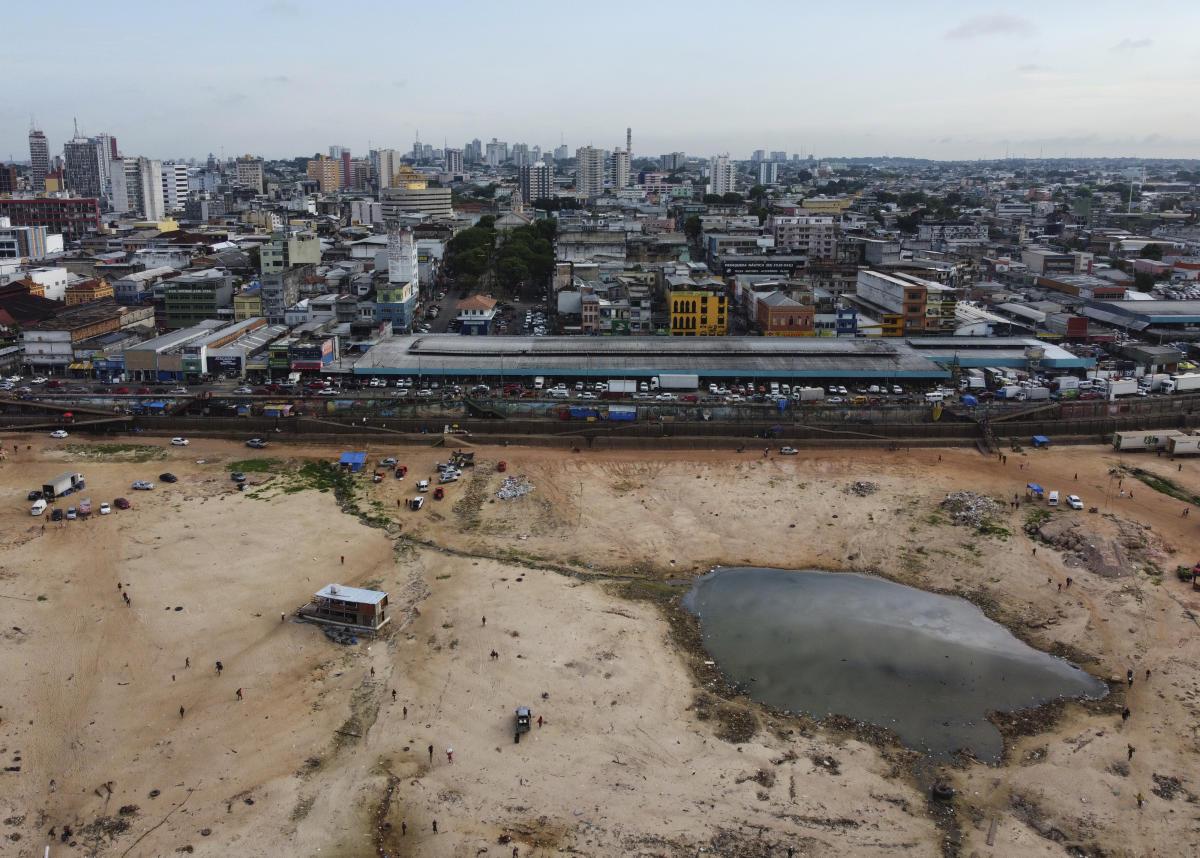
<point x="1040" y="440"/>
<point x="1035" y="487"/>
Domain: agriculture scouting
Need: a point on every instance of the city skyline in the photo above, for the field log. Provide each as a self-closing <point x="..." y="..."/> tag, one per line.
<point x="932" y="81"/>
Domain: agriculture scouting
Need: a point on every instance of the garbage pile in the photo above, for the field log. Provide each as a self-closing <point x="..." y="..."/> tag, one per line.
<point x="340" y="635"/>
<point x="513" y="487"/>
<point x="970" y="508"/>
<point x="862" y="488"/>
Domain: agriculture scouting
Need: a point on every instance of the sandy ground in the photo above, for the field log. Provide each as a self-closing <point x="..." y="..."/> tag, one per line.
<point x="630" y="760"/>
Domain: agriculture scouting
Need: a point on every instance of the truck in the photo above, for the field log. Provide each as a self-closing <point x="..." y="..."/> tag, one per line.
<point x="680" y="381"/>
<point x="619" y="388"/>
<point x="622" y="412"/>
<point x="85" y="507"/>
<point x="1182" y="383"/>
<point x="1064" y="383"/>
<point x="1114" y="387"/>
<point x="1179" y="445"/>
<point x="974" y="379"/>
<point x="1152" y="382"/>
<point x="1144" y="439"/>
<point x="1008" y="392"/>
<point x="63" y="484"/>
<point x="808" y="394"/>
<point x="1033" y="394"/>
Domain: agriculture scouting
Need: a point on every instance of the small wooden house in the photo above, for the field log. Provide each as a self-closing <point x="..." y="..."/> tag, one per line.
<point x="352" y="607"/>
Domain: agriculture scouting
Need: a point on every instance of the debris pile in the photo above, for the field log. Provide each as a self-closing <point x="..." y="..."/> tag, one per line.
<point x="340" y="635"/>
<point x="514" y="487"/>
<point x="970" y="508"/>
<point x="862" y="488"/>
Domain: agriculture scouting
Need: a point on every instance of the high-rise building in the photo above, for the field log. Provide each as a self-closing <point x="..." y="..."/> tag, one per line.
<point x="589" y="171"/>
<point x="8" y="179"/>
<point x="497" y="152"/>
<point x="39" y="161"/>
<point x="454" y="161"/>
<point x="387" y="163"/>
<point x="520" y="155"/>
<point x="779" y="157"/>
<point x="620" y="168"/>
<point x="536" y="181"/>
<point x="325" y="172"/>
<point x="561" y="153"/>
<point x="674" y="160"/>
<point x="93" y="169"/>
<point x="250" y="173"/>
<point x="720" y="175"/>
<point x="473" y="152"/>
<point x="144" y="185"/>
<point x="345" y="171"/>
<point x="768" y="172"/>
<point x="759" y="155"/>
<point x="396" y="301"/>
<point x="175" y="186"/>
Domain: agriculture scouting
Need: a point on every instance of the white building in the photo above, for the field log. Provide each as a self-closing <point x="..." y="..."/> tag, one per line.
<point x="536" y="182"/>
<point x="144" y="185"/>
<point x="720" y="175"/>
<point x="454" y="161"/>
<point x="589" y="171"/>
<point x="768" y="173"/>
<point x="175" y="186"/>
<point x="250" y="173"/>
<point x="620" y="169"/>
<point x="387" y="164"/>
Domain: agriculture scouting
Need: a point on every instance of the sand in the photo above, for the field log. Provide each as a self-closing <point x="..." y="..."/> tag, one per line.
<point x="630" y="758"/>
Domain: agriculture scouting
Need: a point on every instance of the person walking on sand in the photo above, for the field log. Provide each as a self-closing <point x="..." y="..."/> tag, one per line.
<point x="393" y="695"/>
<point x="1129" y="676"/>
<point x="180" y="711"/>
<point x="403" y="829"/>
<point x="539" y="720"/>
<point x="449" y="755"/>
<point x="187" y="662"/>
<point x="435" y="826"/>
<point x="485" y="621"/>
<point x="1131" y="750"/>
<point x="431" y="754"/>
<point x="1125" y="713"/>
<point x="516" y="852"/>
<point x="239" y="694"/>
<point x="404" y="713"/>
<point x="1141" y="799"/>
<point x="220" y="667"/>
<point x="343" y="556"/>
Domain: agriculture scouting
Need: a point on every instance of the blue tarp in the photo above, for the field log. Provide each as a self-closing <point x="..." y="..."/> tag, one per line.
<point x="969" y="400"/>
<point x="353" y="461"/>
<point x="1041" y="441"/>
<point x="1036" y="488"/>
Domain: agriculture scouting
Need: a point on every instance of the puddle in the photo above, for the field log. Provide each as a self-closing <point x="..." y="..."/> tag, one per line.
<point x="928" y="667"/>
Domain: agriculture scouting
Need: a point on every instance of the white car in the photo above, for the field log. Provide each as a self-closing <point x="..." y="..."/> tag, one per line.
<point x="105" y="509"/>
<point x="1074" y="502"/>
<point x="788" y="451"/>
<point x="179" y="442"/>
<point x="328" y="391"/>
<point x="179" y="390"/>
<point x="41" y="379"/>
<point x="60" y="433"/>
<point x="243" y="390"/>
<point x="143" y="486"/>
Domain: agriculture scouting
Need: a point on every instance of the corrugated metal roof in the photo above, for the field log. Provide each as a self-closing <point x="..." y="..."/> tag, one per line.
<point x="351" y="594"/>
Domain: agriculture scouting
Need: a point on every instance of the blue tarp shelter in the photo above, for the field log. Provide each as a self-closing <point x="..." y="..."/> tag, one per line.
<point x="353" y="461"/>
<point x="1036" y="489"/>
<point x="1041" y="441"/>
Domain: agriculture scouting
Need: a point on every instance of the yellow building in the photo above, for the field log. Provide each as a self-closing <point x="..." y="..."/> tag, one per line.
<point x="827" y="205"/>
<point x="696" y="313"/>
<point x="87" y="290"/>
<point x="409" y="179"/>
<point x="325" y="171"/>
<point x="247" y="304"/>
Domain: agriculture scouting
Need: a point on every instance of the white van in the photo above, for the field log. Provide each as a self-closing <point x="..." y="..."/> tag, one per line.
<point x="422" y="485"/>
<point x="539" y="382"/>
<point x="1052" y="500"/>
<point x="39" y="507"/>
<point x="935" y="396"/>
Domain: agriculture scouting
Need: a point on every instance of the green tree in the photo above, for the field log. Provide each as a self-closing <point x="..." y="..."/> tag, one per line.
<point x="511" y="272"/>
<point x="758" y="192"/>
<point x="692" y="228"/>
<point x="1151" y="251"/>
<point x="732" y="199"/>
<point x="713" y="199"/>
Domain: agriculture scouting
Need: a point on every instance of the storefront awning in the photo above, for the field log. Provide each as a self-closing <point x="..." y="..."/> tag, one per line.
<point x="81" y="365"/>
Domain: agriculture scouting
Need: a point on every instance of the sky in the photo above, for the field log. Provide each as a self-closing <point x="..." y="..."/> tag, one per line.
<point x="945" y="79"/>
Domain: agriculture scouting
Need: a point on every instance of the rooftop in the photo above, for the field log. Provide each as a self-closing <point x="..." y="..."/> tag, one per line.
<point x="359" y="596"/>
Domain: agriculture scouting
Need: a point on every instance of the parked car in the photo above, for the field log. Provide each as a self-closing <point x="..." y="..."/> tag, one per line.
<point x="389" y="462"/>
<point x="39" y="507"/>
<point x="327" y="391"/>
<point x="121" y="503"/>
<point x="56" y="515"/>
<point x="143" y="391"/>
<point x="1074" y="502"/>
<point x="121" y="390"/>
<point x="34" y="495"/>
<point x="256" y="443"/>
<point x="71" y="513"/>
<point x="60" y="433"/>
<point x="238" y="477"/>
<point x="788" y="451"/>
<point x="179" y="442"/>
<point x="179" y="390"/>
<point x="243" y="390"/>
<point x="143" y="486"/>
<point x="168" y="477"/>
<point x="38" y="379"/>
<point x="105" y="509"/>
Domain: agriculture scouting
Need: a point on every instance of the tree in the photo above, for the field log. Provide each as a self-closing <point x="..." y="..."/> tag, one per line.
<point x="1143" y="281"/>
<point x="758" y="192"/>
<point x="732" y="199"/>
<point x="1151" y="251"/>
<point x="692" y="228"/>
<point x="713" y="199"/>
<point x="511" y="272"/>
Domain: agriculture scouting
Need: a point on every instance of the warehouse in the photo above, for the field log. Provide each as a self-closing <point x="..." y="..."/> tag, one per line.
<point x="433" y="356"/>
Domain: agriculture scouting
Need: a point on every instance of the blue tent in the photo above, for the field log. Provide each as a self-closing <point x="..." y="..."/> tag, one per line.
<point x="1035" y="488"/>
<point x="1041" y="441"/>
<point x="969" y="400"/>
<point x="353" y="461"/>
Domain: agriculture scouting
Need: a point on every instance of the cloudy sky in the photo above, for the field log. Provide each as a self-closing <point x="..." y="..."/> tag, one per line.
<point x="929" y="78"/>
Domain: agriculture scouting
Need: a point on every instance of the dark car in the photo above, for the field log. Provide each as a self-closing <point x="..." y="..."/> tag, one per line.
<point x="56" y="515"/>
<point x="238" y="476"/>
<point x="35" y="495"/>
<point x="168" y="478"/>
<point x="121" y="503"/>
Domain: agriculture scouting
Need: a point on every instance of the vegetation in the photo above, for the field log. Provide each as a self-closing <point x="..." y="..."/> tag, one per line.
<point x="1166" y="485"/>
<point x="125" y="452"/>
<point x="254" y="466"/>
<point x="527" y="253"/>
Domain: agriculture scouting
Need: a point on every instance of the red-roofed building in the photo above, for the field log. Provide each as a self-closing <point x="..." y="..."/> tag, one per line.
<point x="476" y="314"/>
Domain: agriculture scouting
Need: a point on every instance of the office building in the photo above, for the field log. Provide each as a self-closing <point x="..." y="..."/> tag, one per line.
<point x="473" y="152"/>
<point x="324" y="171"/>
<point x="720" y="175"/>
<point x="759" y="156"/>
<point x="561" y="153"/>
<point x="175" y="186"/>
<point x="816" y="235"/>
<point x="387" y="164"/>
<point x="250" y="173"/>
<point x="536" y="182"/>
<point x="414" y="198"/>
<point x="397" y="299"/>
<point x="779" y="157"/>
<point x="768" y="172"/>
<point x="286" y="249"/>
<point x="25" y="242"/>
<point x="497" y="153"/>
<point x="620" y="168"/>
<point x="454" y="161"/>
<point x="8" y="179"/>
<point x="39" y="161"/>
<point x="197" y="296"/>
<point x="589" y="171"/>
<point x="520" y="155"/>
<point x="674" y="161"/>
<point x="73" y="218"/>
<point x="144" y="185"/>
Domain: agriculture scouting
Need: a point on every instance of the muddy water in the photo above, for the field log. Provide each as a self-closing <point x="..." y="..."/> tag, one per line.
<point x="928" y="667"/>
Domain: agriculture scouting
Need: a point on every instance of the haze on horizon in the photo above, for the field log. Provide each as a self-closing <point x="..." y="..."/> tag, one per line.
<point x="934" y="79"/>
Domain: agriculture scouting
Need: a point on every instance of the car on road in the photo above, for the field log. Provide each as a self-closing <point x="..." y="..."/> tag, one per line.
<point x="788" y="451"/>
<point x="389" y="462"/>
<point x="1074" y="502"/>
<point x="179" y="390"/>
<point x="835" y="400"/>
<point x="179" y="442"/>
<point x="121" y="503"/>
<point x="143" y="486"/>
<point x="143" y="391"/>
<point x="243" y="390"/>
<point x="328" y="391"/>
<point x="256" y="443"/>
<point x="38" y="380"/>
<point x="105" y="509"/>
<point x="60" y="433"/>
<point x="168" y="477"/>
<point x="238" y="477"/>
<point x="121" y="390"/>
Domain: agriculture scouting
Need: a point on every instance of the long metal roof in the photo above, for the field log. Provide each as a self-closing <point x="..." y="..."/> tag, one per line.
<point x="604" y="357"/>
